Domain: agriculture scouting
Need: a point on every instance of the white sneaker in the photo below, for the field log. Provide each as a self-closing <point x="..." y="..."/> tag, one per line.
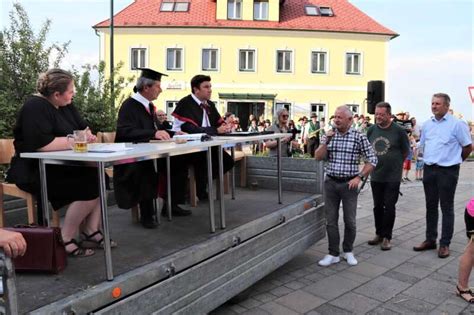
<point x="329" y="260"/>
<point x="351" y="260"/>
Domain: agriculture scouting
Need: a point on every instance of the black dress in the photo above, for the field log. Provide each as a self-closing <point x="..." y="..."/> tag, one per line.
<point x="38" y="123"/>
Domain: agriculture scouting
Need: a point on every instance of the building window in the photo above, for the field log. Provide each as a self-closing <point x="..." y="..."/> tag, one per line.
<point x="138" y="58"/>
<point x="167" y="6"/>
<point x="354" y="108"/>
<point x="318" y="109"/>
<point x="170" y="106"/>
<point x="311" y="10"/>
<point x="170" y="6"/>
<point x="209" y="59"/>
<point x="234" y="9"/>
<point x="279" y="106"/>
<point x="353" y="63"/>
<point x="181" y="7"/>
<point x="318" y="62"/>
<point x="284" y="63"/>
<point x="174" y="59"/>
<point x="326" y="11"/>
<point x="246" y="60"/>
<point x="260" y="10"/>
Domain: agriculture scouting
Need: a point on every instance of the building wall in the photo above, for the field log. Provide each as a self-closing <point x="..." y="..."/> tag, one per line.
<point x="300" y="87"/>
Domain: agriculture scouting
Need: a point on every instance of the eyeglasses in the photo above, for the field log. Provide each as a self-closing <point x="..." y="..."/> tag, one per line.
<point x="285" y="116"/>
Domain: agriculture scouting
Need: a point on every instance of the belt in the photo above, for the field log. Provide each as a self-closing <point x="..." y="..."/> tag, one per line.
<point x="439" y="166"/>
<point x="341" y="179"/>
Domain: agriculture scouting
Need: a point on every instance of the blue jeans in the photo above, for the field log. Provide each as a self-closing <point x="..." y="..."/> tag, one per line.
<point x="440" y="184"/>
<point x="385" y="195"/>
<point x="334" y="193"/>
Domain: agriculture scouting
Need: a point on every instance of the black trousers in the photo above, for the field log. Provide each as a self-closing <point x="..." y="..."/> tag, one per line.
<point x="199" y="161"/>
<point x="313" y="144"/>
<point x="178" y="177"/>
<point x="440" y="184"/>
<point x="385" y="195"/>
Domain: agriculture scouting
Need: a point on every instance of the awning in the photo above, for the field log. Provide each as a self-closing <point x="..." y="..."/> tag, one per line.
<point x="247" y="96"/>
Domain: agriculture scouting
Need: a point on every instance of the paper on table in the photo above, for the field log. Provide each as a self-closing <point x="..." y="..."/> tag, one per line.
<point x="107" y="147"/>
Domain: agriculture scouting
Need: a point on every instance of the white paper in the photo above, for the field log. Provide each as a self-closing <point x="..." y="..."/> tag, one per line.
<point x="107" y="147"/>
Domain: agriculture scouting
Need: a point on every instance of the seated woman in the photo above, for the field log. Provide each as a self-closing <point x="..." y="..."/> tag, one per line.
<point x="43" y="124"/>
<point x="281" y="126"/>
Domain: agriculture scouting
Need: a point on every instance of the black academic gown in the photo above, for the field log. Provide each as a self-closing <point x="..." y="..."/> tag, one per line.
<point x="191" y="114"/>
<point x="136" y="182"/>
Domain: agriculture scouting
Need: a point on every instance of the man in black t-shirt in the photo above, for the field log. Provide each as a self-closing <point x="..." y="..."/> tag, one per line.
<point x="391" y="145"/>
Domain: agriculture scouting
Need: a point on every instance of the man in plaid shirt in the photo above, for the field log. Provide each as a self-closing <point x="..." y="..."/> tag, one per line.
<point x="343" y="148"/>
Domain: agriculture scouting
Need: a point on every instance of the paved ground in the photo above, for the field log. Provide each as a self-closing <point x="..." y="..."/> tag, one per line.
<point x="399" y="281"/>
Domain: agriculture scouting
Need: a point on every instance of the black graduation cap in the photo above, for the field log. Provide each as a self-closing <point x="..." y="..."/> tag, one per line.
<point x="151" y="74"/>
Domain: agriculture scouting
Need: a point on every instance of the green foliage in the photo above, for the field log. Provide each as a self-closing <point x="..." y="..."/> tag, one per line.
<point x="93" y="99"/>
<point x="23" y="56"/>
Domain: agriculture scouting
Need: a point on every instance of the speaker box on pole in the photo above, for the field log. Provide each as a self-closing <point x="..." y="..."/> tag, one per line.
<point x="375" y="94"/>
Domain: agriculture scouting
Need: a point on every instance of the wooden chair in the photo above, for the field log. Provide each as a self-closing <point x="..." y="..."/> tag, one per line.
<point x="109" y="137"/>
<point x="7" y="150"/>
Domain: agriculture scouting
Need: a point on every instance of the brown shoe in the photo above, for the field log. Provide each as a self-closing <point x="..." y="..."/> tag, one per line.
<point x="443" y="252"/>
<point x="425" y="246"/>
<point x="385" y="244"/>
<point x="375" y="241"/>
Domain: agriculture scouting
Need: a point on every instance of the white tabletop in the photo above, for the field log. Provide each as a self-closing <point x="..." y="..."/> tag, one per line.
<point x="139" y="150"/>
<point x="240" y="139"/>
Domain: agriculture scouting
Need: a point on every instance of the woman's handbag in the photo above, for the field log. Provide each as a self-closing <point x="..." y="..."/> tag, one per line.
<point x="45" y="250"/>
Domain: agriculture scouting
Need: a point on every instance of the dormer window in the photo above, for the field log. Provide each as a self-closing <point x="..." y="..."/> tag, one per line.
<point x="170" y="6"/>
<point x="313" y="10"/>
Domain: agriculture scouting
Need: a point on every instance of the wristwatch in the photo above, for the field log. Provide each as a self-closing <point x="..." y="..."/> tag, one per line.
<point x="360" y="176"/>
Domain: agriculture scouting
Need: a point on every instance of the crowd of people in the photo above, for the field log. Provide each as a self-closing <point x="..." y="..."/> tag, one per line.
<point x="385" y="148"/>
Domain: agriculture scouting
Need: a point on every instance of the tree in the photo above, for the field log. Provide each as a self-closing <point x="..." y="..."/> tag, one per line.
<point x="23" y="56"/>
<point x="94" y="99"/>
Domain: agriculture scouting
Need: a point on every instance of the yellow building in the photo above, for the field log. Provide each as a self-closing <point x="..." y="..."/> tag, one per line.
<point x="306" y="55"/>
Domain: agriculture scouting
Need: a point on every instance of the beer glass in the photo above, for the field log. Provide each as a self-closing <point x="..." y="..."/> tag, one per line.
<point x="80" y="141"/>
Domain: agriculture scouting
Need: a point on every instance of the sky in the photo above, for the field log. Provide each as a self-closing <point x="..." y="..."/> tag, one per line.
<point x="434" y="52"/>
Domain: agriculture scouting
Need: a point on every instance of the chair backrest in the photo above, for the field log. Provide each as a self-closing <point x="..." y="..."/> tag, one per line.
<point x="7" y="150"/>
<point x="106" y="137"/>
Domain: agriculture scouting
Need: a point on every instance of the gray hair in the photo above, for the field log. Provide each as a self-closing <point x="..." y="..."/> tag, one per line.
<point x="142" y="82"/>
<point x="346" y="109"/>
<point x="385" y="105"/>
<point x="444" y="96"/>
<point x="278" y="114"/>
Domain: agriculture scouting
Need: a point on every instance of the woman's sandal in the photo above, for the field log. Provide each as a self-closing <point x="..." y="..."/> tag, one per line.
<point x="89" y="241"/>
<point x="467" y="295"/>
<point x="78" y="251"/>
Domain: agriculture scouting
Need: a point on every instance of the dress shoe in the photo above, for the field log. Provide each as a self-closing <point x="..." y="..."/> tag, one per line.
<point x="385" y="244"/>
<point x="176" y="211"/>
<point x="149" y="223"/>
<point x="375" y="241"/>
<point x="443" y="251"/>
<point x="425" y="246"/>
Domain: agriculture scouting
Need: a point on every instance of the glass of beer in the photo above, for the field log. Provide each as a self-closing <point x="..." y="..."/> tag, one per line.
<point x="80" y="141"/>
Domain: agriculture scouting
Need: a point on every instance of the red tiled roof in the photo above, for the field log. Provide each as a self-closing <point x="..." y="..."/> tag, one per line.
<point x="202" y="13"/>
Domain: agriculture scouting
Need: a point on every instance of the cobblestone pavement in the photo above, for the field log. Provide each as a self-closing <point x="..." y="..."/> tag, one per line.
<point x="399" y="281"/>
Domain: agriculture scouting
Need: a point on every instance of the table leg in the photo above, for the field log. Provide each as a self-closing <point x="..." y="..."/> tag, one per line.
<point x="232" y="174"/>
<point x="221" y="185"/>
<point x="168" y="184"/>
<point x="279" y="168"/>
<point x="210" y="191"/>
<point x="105" y="221"/>
<point x="44" y="192"/>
